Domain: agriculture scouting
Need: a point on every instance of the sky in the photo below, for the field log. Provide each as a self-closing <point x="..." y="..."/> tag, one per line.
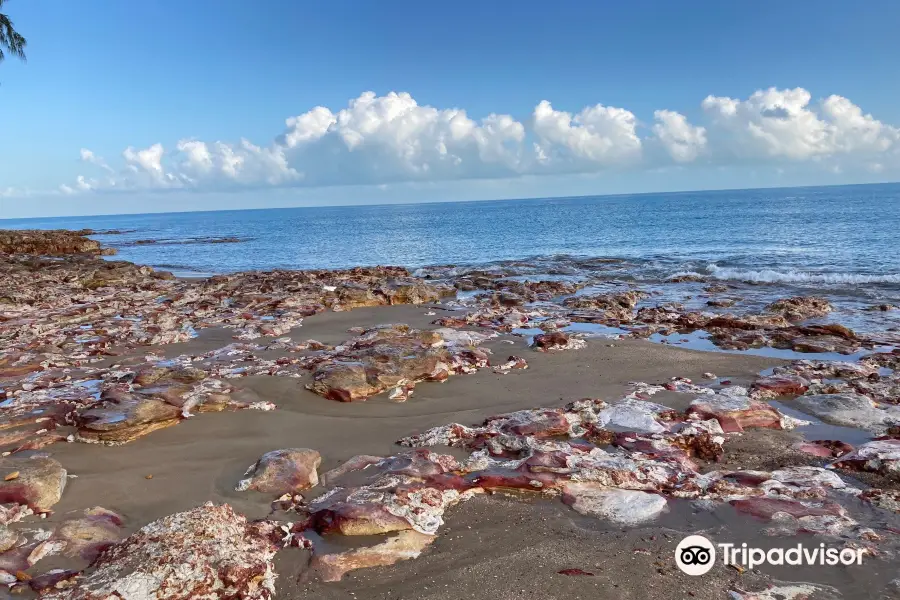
<point x="166" y="105"/>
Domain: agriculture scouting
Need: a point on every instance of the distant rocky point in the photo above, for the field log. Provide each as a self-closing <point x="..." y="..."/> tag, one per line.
<point x="55" y="242"/>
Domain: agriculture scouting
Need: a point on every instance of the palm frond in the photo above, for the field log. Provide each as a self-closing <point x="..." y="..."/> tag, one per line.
<point x="10" y="39"/>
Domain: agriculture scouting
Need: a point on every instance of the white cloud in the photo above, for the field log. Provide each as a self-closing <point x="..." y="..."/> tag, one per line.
<point x="391" y="138"/>
<point x="598" y="135"/>
<point x="781" y="124"/>
<point x="682" y="141"/>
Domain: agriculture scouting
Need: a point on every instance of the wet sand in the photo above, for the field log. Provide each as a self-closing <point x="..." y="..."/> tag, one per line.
<point x="491" y="547"/>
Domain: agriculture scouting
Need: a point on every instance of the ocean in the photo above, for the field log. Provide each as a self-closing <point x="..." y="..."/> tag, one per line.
<point x="827" y="235"/>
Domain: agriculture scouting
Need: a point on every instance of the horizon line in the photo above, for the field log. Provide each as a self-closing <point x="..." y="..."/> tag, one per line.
<point x="525" y="198"/>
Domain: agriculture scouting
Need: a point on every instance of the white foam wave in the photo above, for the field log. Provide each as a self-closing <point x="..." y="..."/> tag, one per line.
<point x="794" y="276"/>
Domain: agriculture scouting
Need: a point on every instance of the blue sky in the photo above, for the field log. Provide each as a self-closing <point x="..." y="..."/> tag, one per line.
<point x="804" y="93"/>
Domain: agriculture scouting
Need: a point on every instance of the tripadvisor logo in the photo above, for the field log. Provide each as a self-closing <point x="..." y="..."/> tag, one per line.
<point x="696" y="555"/>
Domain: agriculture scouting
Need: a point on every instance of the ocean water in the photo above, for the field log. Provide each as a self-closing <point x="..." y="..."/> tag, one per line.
<point x="843" y="237"/>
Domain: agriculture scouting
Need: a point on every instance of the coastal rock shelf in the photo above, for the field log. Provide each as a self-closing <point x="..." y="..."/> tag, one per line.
<point x="89" y="353"/>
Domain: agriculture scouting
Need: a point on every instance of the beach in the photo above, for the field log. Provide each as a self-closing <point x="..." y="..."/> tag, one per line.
<point x="229" y="370"/>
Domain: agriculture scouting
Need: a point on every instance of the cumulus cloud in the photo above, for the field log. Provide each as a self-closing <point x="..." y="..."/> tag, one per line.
<point x="782" y="124"/>
<point x="597" y="136"/>
<point x="391" y="138"/>
<point x="681" y="140"/>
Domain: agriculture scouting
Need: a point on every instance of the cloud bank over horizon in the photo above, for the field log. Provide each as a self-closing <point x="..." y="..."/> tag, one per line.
<point x="390" y="139"/>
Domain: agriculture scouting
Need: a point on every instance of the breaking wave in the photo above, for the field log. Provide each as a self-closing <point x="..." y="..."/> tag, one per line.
<point x="794" y="276"/>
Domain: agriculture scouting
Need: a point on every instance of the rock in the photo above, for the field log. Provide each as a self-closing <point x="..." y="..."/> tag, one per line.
<point x="613" y="307"/>
<point x="788" y="591"/>
<point x="769" y="508"/>
<point x="405" y="545"/>
<point x="800" y="308"/>
<point x="556" y="340"/>
<point x="124" y="418"/>
<point x="735" y="412"/>
<point x="40" y="483"/>
<point x="849" y="410"/>
<point x="884" y="499"/>
<point x="721" y="302"/>
<point x="283" y="472"/>
<point x="59" y="242"/>
<point x="207" y="552"/>
<point x="623" y="507"/>
<point x="776" y="386"/>
<point x="8" y="538"/>
<point x="633" y="415"/>
<point x="394" y="356"/>
<point x="877" y="456"/>
<point x="88" y="536"/>
<point x="824" y="448"/>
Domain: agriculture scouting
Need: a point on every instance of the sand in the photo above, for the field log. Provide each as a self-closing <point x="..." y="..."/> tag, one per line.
<point x="491" y="547"/>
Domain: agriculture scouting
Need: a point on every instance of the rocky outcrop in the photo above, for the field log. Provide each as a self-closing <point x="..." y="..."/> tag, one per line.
<point x="56" y="242"/>
<point x="395" y="357"/>
<point x="614" y="307"/>
<point x="800" y="308"/>
<point x="207" y="552"/>
<point x="283" y="472"/>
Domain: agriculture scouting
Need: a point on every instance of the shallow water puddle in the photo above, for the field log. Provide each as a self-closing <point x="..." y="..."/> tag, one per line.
<point x="819" y="430"/>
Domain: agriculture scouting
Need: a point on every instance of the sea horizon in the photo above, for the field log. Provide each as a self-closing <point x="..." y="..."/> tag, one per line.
<point x="461" y="202"/>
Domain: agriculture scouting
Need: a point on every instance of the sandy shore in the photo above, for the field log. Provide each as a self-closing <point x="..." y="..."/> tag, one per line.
<point x="491" y="546"/>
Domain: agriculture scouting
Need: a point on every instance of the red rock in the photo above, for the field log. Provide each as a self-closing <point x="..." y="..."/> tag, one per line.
<point x="405" y="545"/>
<point x="765" y="508"/>
<point x="207" y="552"/>
<point x="40" y="483"/>
<point x="283" y="472"/>
<point x="824" y="448"/>
<point x="735" y="413"/>
<point x="775" y="386"/>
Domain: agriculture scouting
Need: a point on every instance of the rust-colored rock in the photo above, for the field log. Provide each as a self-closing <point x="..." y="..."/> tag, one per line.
<point x="283" y="472"/>
<point x="125" y="418"/>
<point x="207" y="552"/>
<point x="40" y="483"/>
<point x="405" y="545"/>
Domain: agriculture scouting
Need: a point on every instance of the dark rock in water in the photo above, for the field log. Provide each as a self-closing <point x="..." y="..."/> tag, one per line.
<point x="686" y="278"/>
<point x="207" y="552"/>
<point x="721" y="302"/>
<point x="125" y="417"/>
<point x="58" y="242"/>
<point x="283" y="471"/>
<point x="882" y="307"/>
<point x="38" y="483"/>
<point x="716" y="288"/>
<point x="800" y="308"/>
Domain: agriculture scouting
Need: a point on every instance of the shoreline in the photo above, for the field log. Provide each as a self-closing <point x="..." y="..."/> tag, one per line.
<point x="444" y="366"/>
